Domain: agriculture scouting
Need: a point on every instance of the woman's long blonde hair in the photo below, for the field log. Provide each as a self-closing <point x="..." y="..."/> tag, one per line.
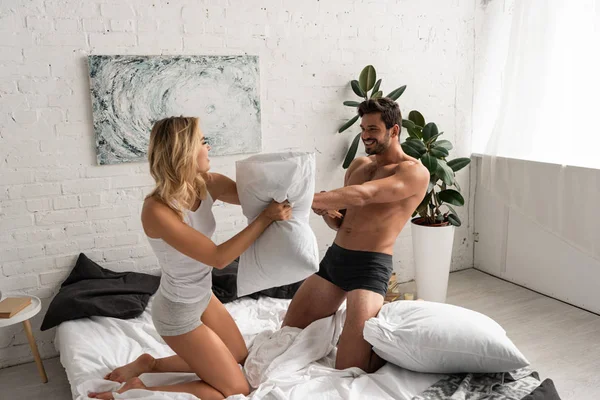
<point x="173" y="155"/>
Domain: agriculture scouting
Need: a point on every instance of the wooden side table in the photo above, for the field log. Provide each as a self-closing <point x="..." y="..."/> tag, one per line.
<point x="23" y="317"/>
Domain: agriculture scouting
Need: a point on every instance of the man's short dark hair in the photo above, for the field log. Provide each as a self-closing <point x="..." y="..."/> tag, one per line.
<point x="389" y="109"/>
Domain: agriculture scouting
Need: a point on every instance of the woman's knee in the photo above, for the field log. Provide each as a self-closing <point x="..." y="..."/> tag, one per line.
<point x="241" y="356"/>
<point x="239" y="387"/>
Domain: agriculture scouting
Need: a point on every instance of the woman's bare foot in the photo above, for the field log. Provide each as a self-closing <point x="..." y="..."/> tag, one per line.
<point x="141" y="365"/>
<point x="133" y="383"/>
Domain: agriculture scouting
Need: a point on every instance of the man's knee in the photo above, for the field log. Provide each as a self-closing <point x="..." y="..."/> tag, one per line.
<point x="353" y="350"/>
<point x="375" y="362"/>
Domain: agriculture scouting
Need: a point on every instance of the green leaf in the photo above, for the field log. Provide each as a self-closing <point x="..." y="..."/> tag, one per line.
<point x="439" y="152"/>
<point x="376" y="87"/>
<point x="367" y="78"/>
<point x="352" y="103"/>
<point x="454" y="220"/>
<point x="377" y="95"/>
<point x="417" y="132"/>
<point x="431" y="185"/>
<point x="422" y="208"/>
<point x="452" y="196"/>
<point x="443" y="143"/>
<point x="395" y="94"/>
<point x="348" y="124"/>
<point x="452" y="210"/>
<point x="410" y="151"/>
<point x="430" y="162"/>
<point x="430" y="130"/>
<point x="351" y="151"/>
<point x="417" y="118"/>
<point x="356" y="88"/>
<point x="417" y="145"/>
<point x="410" y="128"/>
<point x="459" y="163"/>
<point x="407" y="123"/>
<point x="457" y="185"/>
<point x="433" y="138"/>
<point x="445" y="172"/>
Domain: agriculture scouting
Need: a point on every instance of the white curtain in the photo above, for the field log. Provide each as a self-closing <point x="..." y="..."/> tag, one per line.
<point x="547" y="110"/>
<point x="550" y="95"/>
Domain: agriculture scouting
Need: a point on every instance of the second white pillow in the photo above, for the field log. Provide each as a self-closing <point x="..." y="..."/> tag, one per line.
<point x="441" y="338"/>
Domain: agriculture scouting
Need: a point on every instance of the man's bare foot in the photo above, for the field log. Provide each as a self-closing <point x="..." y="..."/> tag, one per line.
<point x="141" y="365"/>
<point x="133" y="383"/>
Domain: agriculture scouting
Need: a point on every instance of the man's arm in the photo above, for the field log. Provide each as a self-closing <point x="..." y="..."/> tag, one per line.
<point x="407" y="181"/>
<point x="333" y="218"/>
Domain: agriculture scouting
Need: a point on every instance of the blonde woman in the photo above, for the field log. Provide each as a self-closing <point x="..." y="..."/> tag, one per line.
<point x="178" y="221"/>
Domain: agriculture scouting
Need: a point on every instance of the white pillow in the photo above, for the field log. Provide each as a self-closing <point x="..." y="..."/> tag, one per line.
<point x="287" y="251"/>
<point x="434" y="337"/>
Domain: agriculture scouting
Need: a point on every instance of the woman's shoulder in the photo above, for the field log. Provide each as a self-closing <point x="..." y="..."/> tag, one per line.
<point x="153" y="204"/>
<point x="155" y="211"/>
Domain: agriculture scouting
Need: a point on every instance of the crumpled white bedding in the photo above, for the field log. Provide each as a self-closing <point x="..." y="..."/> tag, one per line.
<point x="286" y="363"/>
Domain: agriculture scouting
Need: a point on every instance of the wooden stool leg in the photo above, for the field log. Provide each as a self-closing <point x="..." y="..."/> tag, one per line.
<point x="34" y="351"/>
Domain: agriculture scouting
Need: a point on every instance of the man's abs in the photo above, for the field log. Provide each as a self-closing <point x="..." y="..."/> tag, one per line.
<point x="374" y="227"/>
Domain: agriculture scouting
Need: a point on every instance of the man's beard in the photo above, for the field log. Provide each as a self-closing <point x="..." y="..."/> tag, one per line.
<point x="379" y="147"/>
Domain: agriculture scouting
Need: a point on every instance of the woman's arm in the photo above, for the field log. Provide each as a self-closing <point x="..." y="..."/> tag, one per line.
<point x="224" y="188"/>
<point x="159" y="221"/>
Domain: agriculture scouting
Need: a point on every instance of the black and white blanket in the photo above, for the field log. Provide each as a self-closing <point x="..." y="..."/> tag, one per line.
<point x="521" y="384"/>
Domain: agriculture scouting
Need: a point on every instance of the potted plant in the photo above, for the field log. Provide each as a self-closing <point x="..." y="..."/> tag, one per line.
<point x="435" y="219"/>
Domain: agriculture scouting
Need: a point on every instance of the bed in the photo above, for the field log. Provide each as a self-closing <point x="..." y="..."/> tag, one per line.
<point x="285" y="363"/>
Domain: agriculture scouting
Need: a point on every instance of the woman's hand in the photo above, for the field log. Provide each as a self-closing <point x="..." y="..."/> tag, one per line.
<point x="278" y="211"/>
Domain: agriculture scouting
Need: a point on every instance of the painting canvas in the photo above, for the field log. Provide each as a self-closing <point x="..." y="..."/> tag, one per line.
<point x="130" y="93"/>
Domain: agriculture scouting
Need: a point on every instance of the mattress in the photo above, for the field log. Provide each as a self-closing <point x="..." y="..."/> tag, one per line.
<point x="90" y="348"/>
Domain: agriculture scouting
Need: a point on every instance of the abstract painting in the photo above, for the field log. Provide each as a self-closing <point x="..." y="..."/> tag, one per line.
<point x="130" y="93"/>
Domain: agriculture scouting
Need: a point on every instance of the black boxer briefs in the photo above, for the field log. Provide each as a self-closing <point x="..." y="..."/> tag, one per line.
<point x="352" y="269"/>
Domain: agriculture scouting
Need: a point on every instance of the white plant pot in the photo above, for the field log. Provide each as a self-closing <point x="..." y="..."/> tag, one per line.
<point x="432" y="250"/>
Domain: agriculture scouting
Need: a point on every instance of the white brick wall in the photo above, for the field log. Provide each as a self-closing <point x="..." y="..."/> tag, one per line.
<point x="56" y="202"/>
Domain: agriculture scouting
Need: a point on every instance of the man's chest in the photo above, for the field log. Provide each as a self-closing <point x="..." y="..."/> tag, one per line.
<point x="371" y="173"/>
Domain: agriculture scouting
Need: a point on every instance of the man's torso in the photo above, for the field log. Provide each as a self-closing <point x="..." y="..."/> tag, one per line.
<point x="376" y="226"/>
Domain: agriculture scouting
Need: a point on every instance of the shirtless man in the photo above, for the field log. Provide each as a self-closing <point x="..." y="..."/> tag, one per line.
<point x="380" y="194"/>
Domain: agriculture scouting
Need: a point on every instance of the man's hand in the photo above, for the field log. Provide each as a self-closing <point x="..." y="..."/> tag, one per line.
<point x="329" y="213"/>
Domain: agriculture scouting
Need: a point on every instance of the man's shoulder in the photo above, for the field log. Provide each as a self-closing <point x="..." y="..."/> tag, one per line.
<point x="359" y="162"/>
<point x="413" y="168"/>
<point x="410" y="165"/>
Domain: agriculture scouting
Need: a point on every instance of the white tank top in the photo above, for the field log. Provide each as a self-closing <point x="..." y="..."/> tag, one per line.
<point x="184" y="279"/>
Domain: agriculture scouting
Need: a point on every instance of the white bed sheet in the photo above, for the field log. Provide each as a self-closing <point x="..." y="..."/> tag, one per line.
<point x="301" y="368"/>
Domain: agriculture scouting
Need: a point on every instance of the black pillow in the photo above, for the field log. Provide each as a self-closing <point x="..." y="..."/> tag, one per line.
<point x="91" y="290"/>
<point x="546" y="391"/>
<point x="224" y="285"/>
